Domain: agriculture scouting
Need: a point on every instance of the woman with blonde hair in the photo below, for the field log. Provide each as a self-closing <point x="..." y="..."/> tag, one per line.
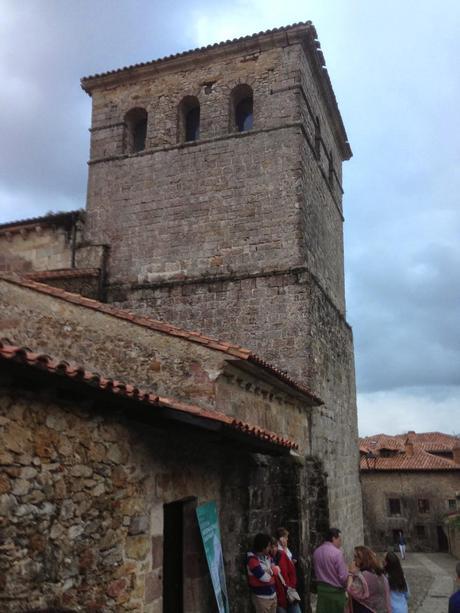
<point x="367" y="585"/>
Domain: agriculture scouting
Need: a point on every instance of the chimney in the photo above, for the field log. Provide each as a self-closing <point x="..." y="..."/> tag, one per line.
<point x="409" y="443"/>
<point x="456" y="452"/>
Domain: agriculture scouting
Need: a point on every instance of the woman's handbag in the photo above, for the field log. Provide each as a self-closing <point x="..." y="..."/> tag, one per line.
<point x="292" y="595"/>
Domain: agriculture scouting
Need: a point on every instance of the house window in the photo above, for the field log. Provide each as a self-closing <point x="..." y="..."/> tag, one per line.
<point x="452" y="504"/>
<point x="242" y="108"/>
<point x="136" y="130"/>
<point x="189" y="119"/>
<point x="423" y="505"/>
<point x="420" y="531"/>
<point x="386" y="453"/>
<point x="395" y="506"/>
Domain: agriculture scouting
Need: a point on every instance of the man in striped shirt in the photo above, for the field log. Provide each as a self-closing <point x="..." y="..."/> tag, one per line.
<point x="261" y="575"/>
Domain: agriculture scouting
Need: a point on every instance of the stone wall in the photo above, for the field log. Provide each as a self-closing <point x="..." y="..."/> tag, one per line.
<point x="82" y="499"/>
<point x="38" y="248"/>
<point x="83" y="484"/>
<point x="408" y="487"/>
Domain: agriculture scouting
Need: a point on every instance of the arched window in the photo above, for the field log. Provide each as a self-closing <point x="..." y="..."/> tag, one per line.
<point x="136" y="130"/>
<point x="242" y="108"/>
<point x="189" y="119"/>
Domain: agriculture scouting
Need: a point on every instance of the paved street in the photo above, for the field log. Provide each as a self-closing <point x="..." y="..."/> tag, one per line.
<point x="431" y="581"/>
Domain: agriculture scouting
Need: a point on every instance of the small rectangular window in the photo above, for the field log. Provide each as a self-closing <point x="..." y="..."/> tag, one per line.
<point x="395" y="506"/>
<point x="452" y="504"/>
<point x="423" y="505"/>
<point x="420" y="531"/>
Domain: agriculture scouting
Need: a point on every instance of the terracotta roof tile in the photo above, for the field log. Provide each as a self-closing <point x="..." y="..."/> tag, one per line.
<point x="425" y="444"/>
<point x="159" y="326"/>
<point x="23" y="355"/>
<point x="420" y="460"/>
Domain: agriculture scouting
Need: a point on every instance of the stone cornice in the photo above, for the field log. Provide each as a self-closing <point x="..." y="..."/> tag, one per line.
<point x="301" y="33"/>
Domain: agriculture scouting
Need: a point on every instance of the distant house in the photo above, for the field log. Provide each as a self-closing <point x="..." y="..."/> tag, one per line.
<point x="410" y="482"/>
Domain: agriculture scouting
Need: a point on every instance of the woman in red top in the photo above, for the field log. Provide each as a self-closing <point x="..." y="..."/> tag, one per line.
<point x="288" y="575"/>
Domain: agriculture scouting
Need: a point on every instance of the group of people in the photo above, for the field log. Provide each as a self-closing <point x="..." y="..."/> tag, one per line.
<point x="272" y="575"/>
<point x="365" y="586"/>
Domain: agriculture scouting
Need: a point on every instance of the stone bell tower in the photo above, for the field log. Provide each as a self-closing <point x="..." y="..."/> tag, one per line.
<point x="215" y="182"/>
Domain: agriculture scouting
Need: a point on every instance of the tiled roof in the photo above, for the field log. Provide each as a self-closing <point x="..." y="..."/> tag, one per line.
<point x="63" y="218"/>
<point x="421" y="459"/>
<point x="299" y="25"/>
<point x="166" y="328"/>
<point x="383" y="442"/>
<point x="78" y="373"/>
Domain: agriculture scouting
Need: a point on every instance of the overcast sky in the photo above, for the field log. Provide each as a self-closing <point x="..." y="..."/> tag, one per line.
<point x="394" y="68"/>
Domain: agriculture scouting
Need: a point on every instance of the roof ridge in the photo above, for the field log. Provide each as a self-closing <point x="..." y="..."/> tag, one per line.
<point x="297" y="25"/>
<point x="404" y="435"/>
<point x="49" y="217"/>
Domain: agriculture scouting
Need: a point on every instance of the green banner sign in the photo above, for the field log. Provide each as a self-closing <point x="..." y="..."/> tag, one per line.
<point x="210" y="533"/>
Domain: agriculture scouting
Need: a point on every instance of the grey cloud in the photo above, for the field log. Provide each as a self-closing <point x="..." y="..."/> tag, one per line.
<point x="44" y="115"/>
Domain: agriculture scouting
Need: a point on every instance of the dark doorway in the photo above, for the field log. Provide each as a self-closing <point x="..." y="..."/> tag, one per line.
<point x="187" y="584"/>
<point x="173" y="572"/>
<point x="396" y="536"/>
<point x="443" y="543"/>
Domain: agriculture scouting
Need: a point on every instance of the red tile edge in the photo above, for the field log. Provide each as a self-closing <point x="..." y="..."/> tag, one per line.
<point x="24" y="355"/>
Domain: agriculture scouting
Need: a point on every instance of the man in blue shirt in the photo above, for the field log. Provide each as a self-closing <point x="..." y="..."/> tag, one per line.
<point x="454" y="600"/>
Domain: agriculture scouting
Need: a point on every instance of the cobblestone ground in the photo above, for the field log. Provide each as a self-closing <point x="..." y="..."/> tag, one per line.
<point x="431" y="579"/>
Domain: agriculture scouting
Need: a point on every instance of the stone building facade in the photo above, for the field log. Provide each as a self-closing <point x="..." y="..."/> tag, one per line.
<point x="214" y="204"/>
<point x="410" y="482"/>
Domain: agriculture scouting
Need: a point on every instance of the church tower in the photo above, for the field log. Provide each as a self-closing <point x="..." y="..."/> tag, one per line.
<point x="215" y="181"/>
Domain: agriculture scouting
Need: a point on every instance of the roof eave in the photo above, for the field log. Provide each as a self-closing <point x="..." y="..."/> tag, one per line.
<point x="266" y="372"/>
<point x="250" y="43"/>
